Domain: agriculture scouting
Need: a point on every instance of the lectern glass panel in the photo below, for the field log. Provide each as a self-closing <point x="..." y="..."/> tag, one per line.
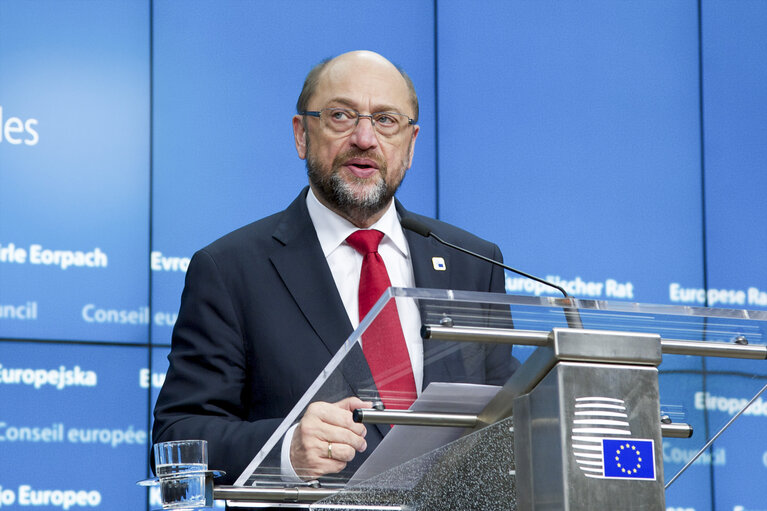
<point x="704" y="366"/>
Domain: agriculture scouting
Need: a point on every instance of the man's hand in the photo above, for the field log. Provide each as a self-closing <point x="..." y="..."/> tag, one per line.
<point x="327" y="438"/>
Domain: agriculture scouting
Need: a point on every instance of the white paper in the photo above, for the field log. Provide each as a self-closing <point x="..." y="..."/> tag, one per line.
<point x="404" y="443"/>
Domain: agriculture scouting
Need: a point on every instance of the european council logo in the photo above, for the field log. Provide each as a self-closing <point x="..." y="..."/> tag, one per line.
<point x="602" y="442"/>
<point x="630" y="458"/>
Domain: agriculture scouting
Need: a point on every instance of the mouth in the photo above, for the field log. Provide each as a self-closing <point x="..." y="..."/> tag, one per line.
<point x="361" y="167"/>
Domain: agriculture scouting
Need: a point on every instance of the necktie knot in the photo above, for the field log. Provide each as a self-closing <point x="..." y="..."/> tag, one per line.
<point x="365" y="241"/>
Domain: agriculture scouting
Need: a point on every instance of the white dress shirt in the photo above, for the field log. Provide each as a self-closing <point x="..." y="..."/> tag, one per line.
<point x="346" y="264"/>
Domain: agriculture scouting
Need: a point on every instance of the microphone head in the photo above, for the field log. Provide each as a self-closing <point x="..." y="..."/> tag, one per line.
<point x="418" y="227"/>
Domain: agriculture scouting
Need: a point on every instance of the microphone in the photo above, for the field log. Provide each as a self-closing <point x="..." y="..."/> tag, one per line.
<point x="418" y="227"/>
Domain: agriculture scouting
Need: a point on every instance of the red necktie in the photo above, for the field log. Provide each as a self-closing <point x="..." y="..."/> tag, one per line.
<point x="383" y="342"/>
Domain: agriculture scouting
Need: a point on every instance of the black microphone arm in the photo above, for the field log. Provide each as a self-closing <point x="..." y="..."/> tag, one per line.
<point x="411" y="224"/>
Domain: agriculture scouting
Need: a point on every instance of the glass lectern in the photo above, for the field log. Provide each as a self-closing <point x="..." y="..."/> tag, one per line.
<point x="602" y="393"/>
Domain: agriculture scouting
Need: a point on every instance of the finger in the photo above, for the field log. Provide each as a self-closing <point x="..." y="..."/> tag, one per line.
<point x="340" y="452"/>
<point x="309" y="456"/>
<point x="339" y="414"/>
<point x="338" y="435"/>
<point x="314" y="433"/>
<point x="353" y="402"/>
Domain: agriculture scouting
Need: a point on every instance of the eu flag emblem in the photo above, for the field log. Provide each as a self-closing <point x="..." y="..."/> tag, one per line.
<point x="628" y="458"/>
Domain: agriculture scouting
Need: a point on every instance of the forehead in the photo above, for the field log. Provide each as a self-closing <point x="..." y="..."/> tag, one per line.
<point x="362" y="83"/>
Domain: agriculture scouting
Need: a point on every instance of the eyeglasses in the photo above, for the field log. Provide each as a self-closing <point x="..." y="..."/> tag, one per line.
<point x="343" y="120"/>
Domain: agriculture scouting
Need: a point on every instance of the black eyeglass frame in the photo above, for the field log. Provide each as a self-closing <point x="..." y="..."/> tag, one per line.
<point x="318" y="114"/>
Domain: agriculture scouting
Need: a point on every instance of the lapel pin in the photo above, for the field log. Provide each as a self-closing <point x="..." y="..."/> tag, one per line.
<point x="438" y="263"/>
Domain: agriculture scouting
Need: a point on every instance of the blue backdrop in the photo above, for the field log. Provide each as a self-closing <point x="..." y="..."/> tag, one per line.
<point x="616" y="147"/>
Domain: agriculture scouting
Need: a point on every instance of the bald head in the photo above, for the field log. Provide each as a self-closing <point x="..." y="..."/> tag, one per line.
<point x="359" y="63"/>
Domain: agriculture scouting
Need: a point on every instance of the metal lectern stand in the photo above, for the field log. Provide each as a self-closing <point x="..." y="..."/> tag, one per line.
<point x="579" y="426"/>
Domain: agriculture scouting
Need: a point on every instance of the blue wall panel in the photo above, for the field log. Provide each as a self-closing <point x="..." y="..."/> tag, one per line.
<point x="75" y="74"/>
<point x="569" y="134"/>
<point x="735" y="92"/>
<point x="744" y="449"/>
<point x="73" y="419"/>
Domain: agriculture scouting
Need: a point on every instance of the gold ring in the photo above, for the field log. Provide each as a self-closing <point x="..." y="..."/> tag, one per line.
<point x="330" y="451"/>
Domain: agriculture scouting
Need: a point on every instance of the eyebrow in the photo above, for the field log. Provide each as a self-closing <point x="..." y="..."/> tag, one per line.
<point x="349" y="103"/>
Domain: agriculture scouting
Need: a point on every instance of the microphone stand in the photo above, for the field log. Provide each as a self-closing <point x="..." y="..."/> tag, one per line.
<point x="572" y="315"/>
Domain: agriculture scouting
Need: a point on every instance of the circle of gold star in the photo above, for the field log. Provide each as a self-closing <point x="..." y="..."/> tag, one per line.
<point x="628" y="448"/>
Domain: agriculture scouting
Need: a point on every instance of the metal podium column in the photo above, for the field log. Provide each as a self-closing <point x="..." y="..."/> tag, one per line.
<point x="588" y="435"/>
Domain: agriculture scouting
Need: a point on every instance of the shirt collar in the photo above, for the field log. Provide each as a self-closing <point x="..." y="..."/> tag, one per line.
<point x="333" y="229"/>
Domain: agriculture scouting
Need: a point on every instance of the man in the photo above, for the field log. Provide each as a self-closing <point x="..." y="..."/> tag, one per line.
<point x="266" y="307"/>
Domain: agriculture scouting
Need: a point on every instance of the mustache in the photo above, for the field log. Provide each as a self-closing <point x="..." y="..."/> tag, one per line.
<point x="357" y="153"/>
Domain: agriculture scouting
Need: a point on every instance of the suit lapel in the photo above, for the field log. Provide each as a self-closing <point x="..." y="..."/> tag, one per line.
<point x="304" y="271"/>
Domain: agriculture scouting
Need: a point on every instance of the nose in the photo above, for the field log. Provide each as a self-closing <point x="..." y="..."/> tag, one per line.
<point x="364" y="134"/>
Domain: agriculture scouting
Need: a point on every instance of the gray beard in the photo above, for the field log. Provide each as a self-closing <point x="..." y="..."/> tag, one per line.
<point x="349" y="198"/>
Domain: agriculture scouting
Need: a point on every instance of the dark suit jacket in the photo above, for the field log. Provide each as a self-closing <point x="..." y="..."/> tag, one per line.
<point x="260" y="317"/>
